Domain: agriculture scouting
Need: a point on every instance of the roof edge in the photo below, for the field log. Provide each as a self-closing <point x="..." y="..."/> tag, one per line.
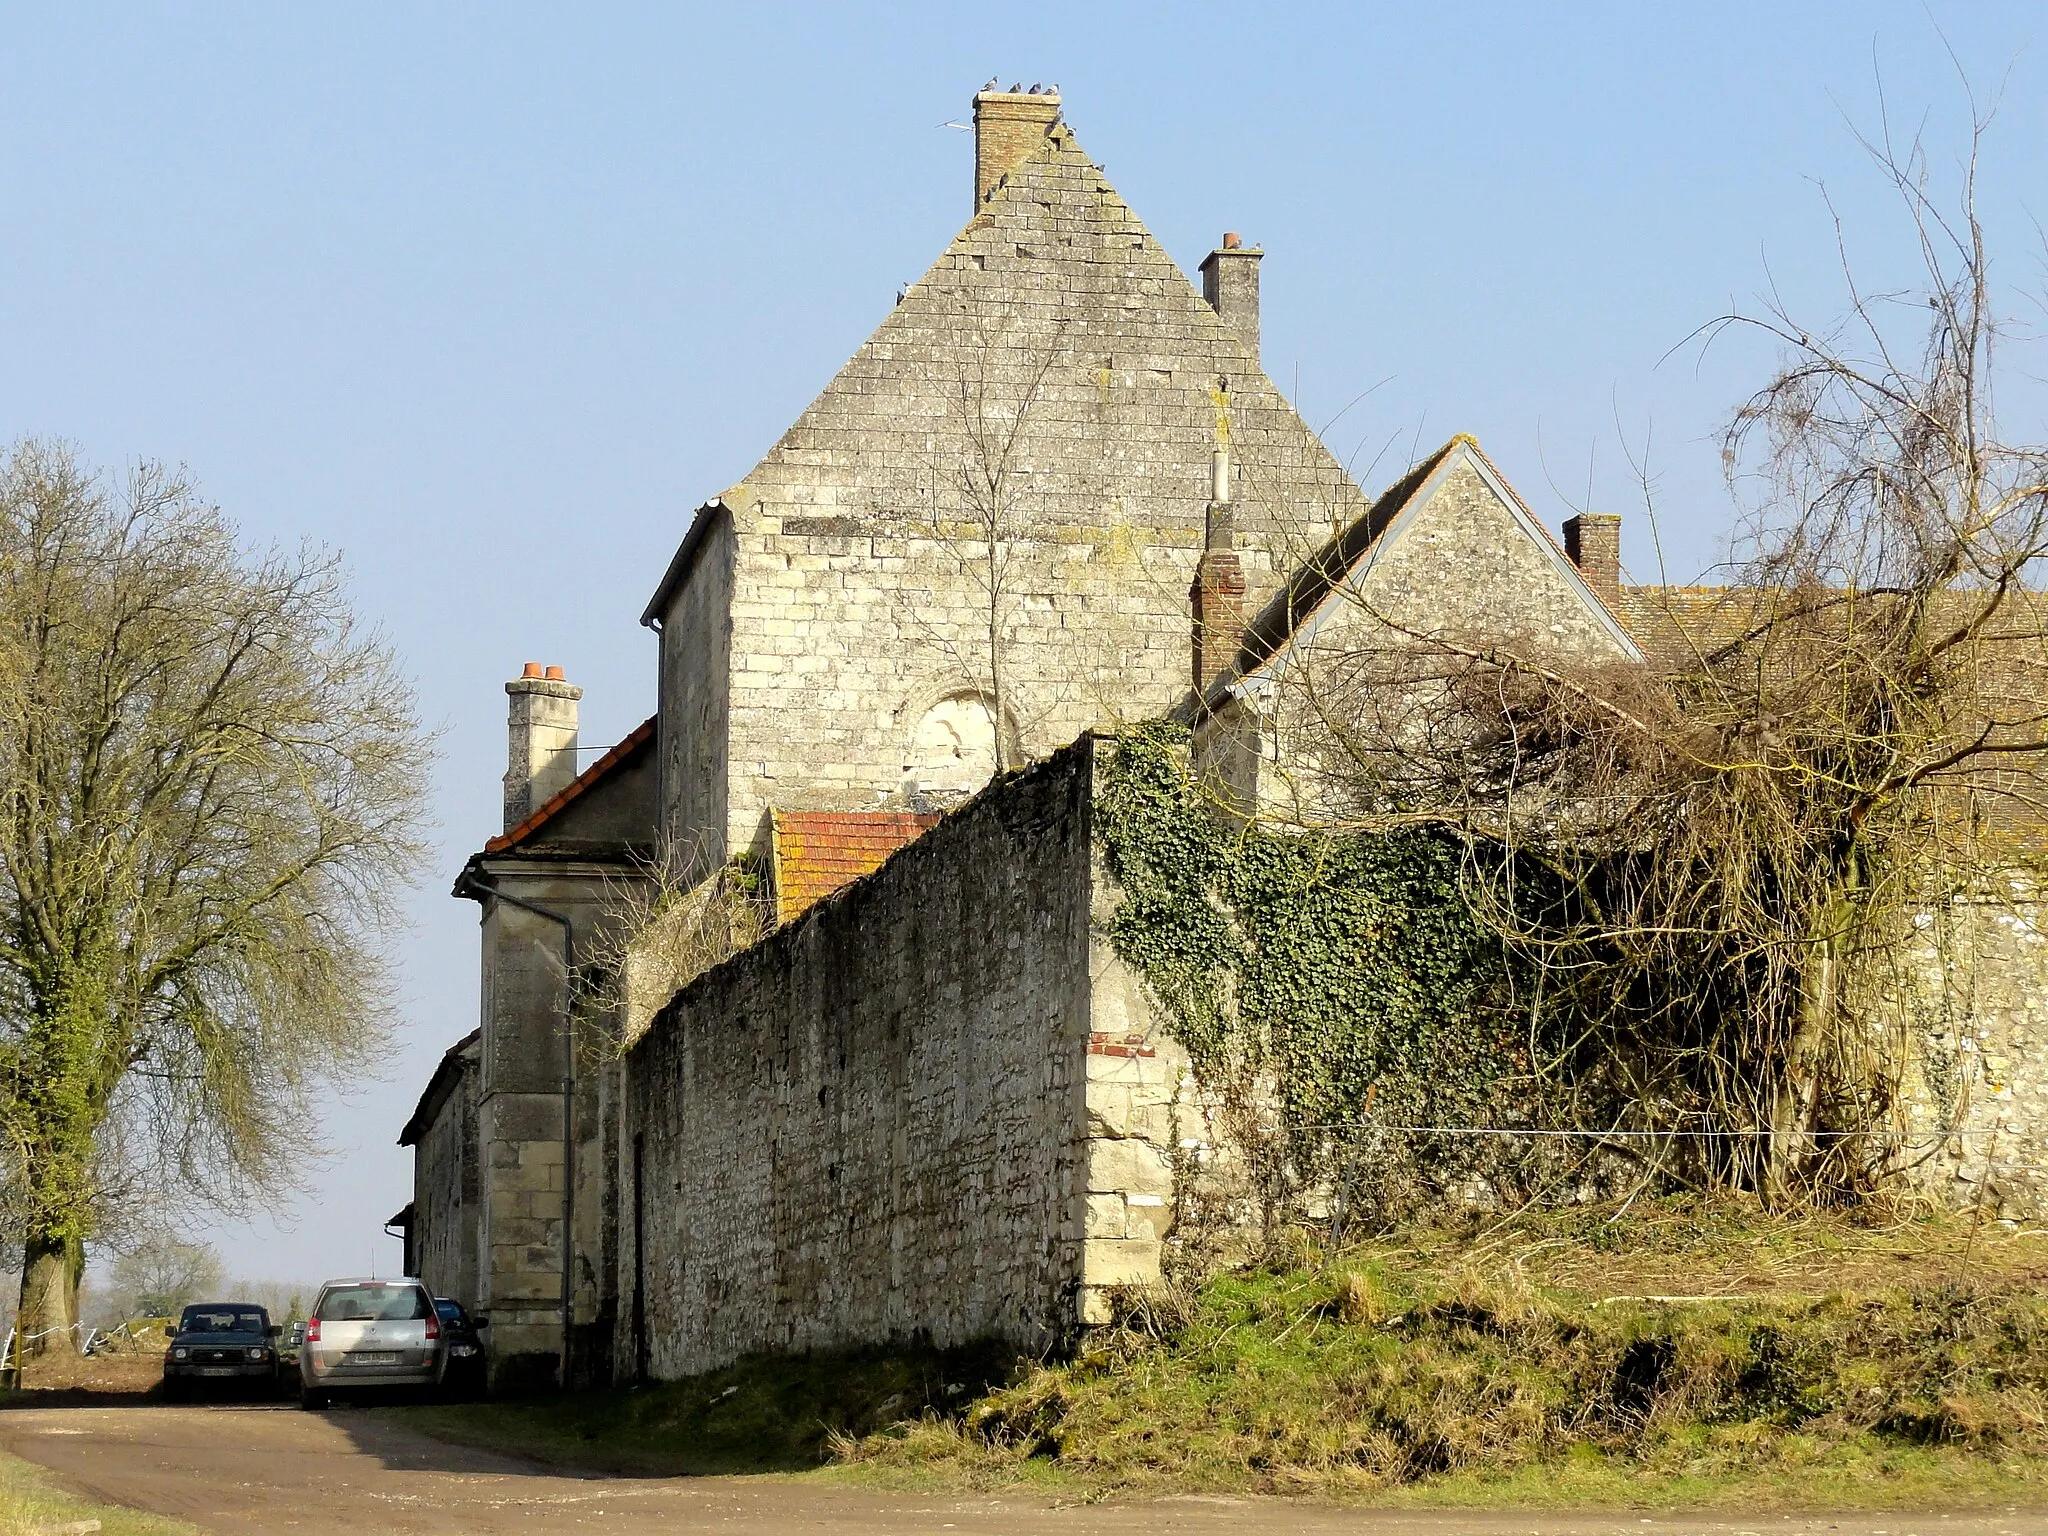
<point x="576" y="788"/>
<point x="1285" y="624"/>
<point x="437" y="1089"/>
<point x="686" y="553"/>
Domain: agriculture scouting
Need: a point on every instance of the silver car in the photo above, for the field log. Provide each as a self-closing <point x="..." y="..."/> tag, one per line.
<point x="371" y="1333"/>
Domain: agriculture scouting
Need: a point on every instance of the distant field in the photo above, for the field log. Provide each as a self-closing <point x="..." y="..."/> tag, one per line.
<point x="1673" y="1354"/>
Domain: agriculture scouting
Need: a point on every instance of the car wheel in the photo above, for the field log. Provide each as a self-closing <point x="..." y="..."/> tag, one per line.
<point x="312" y="1401"/>
<point x="174" y="1389"/>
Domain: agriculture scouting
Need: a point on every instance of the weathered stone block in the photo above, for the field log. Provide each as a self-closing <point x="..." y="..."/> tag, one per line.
<point x="1128" y="1166"/>
<point x="1106" y="1216"/>
<point x="1125" y="1261"/>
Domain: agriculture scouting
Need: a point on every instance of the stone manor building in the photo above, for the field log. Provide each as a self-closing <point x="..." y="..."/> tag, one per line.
<point x="1054" y="491"/>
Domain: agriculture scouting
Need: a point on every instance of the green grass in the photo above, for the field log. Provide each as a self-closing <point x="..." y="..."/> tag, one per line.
<point x="29" y="1501"/>
<point x="1542" y="1361"/>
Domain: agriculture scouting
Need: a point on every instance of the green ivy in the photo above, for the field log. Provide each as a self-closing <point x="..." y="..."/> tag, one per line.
<point x="1352" y="967"/>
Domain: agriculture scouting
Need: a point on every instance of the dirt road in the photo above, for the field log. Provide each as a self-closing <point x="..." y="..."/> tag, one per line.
<point x="267" y="1469"/>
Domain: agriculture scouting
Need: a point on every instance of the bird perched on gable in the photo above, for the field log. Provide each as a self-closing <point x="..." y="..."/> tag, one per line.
<point x="1016" y="86"/>
<point x="991" y="82"/>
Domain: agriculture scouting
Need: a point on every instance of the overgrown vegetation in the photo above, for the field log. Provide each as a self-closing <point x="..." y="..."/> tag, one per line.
<point x="1673" y="1352"/>
<point x="1338" y="993"/>
<point x="1841" y="734"/>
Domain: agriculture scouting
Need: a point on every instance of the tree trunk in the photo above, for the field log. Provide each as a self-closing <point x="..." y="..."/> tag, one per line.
<point x="52" y="1265"/>
<point x="1798" y="1157"/>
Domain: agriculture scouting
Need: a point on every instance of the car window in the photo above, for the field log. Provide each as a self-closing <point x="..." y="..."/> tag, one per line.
<point x="372" y="1303"/>
<point x="451" y="1311"/>
<point x="223" y="1320"/>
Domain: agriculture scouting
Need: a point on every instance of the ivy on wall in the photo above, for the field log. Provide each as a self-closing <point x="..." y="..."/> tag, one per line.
<point x="1349" y="969"/>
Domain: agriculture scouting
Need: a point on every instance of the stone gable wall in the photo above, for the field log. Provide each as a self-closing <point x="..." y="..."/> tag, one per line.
<point x="871" y="1126"/>
<point x="860" y="593"/>
<point x="1457" y="565"/>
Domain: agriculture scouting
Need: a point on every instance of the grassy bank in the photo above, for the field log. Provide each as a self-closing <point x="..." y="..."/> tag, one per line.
<point x="30" y="1503"/>
<point x="1666" y="1355"/>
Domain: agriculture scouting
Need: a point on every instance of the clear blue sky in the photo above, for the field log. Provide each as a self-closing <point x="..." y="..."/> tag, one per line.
<point x="491" y="296"/>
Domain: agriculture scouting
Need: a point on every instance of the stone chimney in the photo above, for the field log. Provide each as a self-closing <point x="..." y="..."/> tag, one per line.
<point x="1218" y="591"/>
<point x="1008" y="125"/>
<point x="1230" y="282"/>
<point x="540" y="757"/>
<point x="1593" y="540"/>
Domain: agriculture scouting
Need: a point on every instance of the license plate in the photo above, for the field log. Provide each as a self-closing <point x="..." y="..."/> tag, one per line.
<point x="371" y="1357"/>
<point x="217" y="1370"/>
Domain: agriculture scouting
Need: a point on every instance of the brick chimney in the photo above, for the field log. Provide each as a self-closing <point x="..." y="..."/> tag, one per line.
<point x="1230" y="282"/>
<point x="1593" y="540"/>
<point x="1008" y="125"/>
<point x="1218" y="591"/>
<point x="540" y="757"/>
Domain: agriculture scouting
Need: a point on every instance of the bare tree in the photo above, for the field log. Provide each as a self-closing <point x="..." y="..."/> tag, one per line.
<point x="161" y="1274"/>
<point x="977" y="511"/>
<point x="1845" y="734"/>
<point x="211" y="776"/>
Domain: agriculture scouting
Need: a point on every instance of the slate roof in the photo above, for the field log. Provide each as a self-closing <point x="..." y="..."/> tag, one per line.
<point x="581" y="785"/>
<point x="817" y="852"/>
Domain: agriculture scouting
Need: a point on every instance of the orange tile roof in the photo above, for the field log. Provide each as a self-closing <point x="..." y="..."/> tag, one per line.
<point x="817" y="852"/>
<point x="583" y="781"/>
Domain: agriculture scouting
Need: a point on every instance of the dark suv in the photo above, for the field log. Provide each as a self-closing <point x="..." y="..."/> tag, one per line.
<point x="465" y="1376"/>
<point x="231" y="1343"/>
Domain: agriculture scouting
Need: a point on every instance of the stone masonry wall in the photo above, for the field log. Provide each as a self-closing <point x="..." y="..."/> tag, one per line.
<point x="695" y="700"/>
<point x="861" y="579"/>
<point x="519" y="1117"/>
<point x="872" y="1125"/>
<point x="1967" y="1016"/>
<point x="1458" y="562"/>
<point x="447" y="1194"/>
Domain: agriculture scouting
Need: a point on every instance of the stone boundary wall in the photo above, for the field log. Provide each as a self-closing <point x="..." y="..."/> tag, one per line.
<point x="1969" y="1011"/>
<point x="873" y="1126"/>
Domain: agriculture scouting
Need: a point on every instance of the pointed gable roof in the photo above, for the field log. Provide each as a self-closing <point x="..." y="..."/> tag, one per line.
<point x="1056" y="285"/>
<point x="1317" y="590"/>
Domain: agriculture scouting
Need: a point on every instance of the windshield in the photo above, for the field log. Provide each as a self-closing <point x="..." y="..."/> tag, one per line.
<point x="218" y="1319"/>
<point x="373" y="1304"/>
<point x="451" y="1311"/>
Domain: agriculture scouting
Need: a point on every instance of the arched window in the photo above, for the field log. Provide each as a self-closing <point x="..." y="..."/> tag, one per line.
<point x="953" y="750"/>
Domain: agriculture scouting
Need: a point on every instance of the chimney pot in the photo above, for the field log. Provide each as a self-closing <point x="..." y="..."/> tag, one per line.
<point x="540" y="740"/>
<point x="1008" y="125"/>
<point x="1230" y="282"/>
<point x="1232" y="240"/>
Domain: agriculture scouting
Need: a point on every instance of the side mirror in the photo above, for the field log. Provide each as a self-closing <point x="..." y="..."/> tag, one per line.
<point x="275" y="1331"/>
<point x="170" y="1333"/>
<point x="479" y="1319"/>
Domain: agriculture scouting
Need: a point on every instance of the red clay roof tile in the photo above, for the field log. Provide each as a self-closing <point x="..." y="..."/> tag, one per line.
<point x="817" y="852"/>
